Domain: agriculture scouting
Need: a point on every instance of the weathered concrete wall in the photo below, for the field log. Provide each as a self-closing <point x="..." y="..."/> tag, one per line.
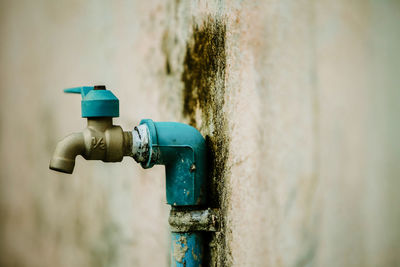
<point x="298" y="101"/>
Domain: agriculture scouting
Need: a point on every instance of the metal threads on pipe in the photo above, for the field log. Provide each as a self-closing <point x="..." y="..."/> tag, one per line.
<point x="128" y="144"/>
<point x="140" y="143"/>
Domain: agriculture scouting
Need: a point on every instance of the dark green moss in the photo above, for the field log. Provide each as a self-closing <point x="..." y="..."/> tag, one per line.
<point x="204" y="90"/>
<point x="204" y="67"/>
<point x="167" y="66"/>
<point x="203" y="97"/>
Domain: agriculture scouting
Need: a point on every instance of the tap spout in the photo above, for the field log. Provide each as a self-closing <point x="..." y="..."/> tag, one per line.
<point x="63" y="159"/>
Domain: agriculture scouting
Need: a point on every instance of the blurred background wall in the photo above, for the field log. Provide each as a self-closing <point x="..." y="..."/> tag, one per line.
<point x="298" y="100"/>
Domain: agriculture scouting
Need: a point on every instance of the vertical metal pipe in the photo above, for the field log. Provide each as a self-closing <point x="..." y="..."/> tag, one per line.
<point x="187" y="249"/>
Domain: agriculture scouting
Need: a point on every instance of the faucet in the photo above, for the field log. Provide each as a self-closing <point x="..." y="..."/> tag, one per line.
<point x="100" y="140"/>
<point x="180" y="147"/>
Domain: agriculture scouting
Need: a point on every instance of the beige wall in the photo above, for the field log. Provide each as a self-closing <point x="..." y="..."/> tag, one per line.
<point x="299" y="101"/>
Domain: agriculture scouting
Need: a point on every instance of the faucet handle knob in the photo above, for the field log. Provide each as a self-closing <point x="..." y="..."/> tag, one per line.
<point x="83" y="90"/>
<point x="96" y="101"/>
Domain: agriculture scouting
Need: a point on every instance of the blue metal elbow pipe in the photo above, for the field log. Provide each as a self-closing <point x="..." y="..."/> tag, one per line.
<point x="182" y="149"/>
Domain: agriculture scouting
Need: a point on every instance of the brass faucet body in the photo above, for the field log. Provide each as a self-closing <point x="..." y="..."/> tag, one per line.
<point x="100" y="140"/>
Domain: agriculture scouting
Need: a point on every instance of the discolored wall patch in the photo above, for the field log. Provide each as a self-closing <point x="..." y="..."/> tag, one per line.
<point x="203" y="78"/>
<point x="204" y="72"/>
<point x="204" y="90"/>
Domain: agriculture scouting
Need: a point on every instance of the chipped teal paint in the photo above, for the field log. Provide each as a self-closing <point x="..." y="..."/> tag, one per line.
<point x="181" y="148"/>
<point x="96" y="103"/>
<point x="187" y="249"/>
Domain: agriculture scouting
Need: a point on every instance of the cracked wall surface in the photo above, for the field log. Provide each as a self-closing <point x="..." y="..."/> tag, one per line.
<point x="297" y="100"/>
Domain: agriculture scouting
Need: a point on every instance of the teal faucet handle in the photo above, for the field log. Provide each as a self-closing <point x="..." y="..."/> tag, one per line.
<point x="83" y="90"/>
<point x="97" y="101"/>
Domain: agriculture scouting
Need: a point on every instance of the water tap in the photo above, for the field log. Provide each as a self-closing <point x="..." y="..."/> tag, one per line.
<point x="100" y="140"/>
<point x="180" y="147"/>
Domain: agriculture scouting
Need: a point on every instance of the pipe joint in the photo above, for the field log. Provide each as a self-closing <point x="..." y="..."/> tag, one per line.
<point x="194" y="220"/>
